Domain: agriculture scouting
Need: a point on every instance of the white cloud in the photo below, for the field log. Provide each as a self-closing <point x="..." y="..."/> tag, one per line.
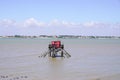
<point x="31" y="22"/>
<point x="89" y="24"/>
<point x="7" y="23"/>
<point x="33" y="26"/>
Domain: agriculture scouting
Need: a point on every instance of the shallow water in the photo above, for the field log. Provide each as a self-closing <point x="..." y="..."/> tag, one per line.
<point x="91" y="59"/>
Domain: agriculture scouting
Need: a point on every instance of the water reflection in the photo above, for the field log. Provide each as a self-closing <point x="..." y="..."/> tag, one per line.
<point x="56" y="67"/>
<point x="56" y="63"/>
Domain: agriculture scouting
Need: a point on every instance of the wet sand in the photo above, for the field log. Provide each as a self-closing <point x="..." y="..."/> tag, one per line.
<point x="112" y="77"/>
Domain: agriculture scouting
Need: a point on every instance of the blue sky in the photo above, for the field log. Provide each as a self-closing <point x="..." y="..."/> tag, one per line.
<point x="77" y="17"/>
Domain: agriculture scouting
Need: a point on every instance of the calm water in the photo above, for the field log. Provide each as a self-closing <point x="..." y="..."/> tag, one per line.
<point x="91" y="59"/>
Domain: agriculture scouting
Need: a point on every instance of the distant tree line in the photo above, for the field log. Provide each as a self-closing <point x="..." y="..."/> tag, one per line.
<point x="61" y="36"/>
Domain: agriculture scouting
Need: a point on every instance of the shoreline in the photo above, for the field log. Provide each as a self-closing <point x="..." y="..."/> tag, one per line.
<point x="63" y="37"/>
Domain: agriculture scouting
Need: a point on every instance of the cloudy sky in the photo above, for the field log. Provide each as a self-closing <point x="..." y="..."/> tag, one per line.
<point x="60" y="17"/>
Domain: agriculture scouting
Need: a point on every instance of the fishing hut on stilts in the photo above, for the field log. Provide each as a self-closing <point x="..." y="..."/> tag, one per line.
<point x="56" y="49"/>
